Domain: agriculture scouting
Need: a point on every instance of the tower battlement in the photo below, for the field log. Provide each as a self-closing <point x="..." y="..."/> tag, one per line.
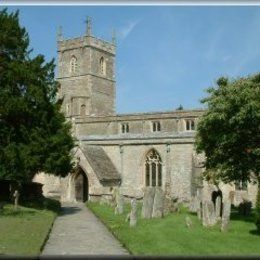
<point x="86" y="41"/>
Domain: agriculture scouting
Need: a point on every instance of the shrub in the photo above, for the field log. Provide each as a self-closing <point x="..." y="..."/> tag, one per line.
<point x="42" y="203"/>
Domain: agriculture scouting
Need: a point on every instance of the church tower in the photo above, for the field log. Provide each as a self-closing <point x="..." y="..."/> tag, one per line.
<point x="86" y="75"/>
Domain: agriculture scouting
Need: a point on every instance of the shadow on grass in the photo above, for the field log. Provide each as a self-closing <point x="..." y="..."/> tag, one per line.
<point x="16" y="213"/>
<point x="238" y="217"/>
<point x="254" y="232"/>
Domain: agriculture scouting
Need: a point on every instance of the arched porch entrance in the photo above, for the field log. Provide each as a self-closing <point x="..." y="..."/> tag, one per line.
<point x="81" y="186"/>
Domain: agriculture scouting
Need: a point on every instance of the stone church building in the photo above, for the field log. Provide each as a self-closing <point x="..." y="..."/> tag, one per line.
<point x="130" y="151"/>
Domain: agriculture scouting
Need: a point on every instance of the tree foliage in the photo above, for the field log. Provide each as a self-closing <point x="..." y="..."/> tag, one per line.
<point x="34" y="135"/>
<point x="229" y="131"/>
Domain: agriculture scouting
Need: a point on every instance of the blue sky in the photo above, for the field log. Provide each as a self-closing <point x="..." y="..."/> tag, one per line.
<point x="166" y="55"/>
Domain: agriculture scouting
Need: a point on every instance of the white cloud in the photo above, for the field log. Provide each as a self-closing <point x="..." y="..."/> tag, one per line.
<point x="127" y="29"/>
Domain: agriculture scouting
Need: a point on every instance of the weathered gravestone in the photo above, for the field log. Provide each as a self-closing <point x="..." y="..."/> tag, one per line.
<point x="119" y="203"/>
<point x="208" y="214"/>
<point x="188" y="222"/>
<point x="148" y="200"/>
<point x="16" y="199"/>
<point x="212" y="213"/>
<point x="226" y="215"/>
<point x="192" y="205"/>
<point x="199" y="210"/>
<point x="168" y="205"/>
<point x="133" y="213"/>
<point x="218" y="208"/>
<point x="113" y="198"/>
<point x="158" y="203"/>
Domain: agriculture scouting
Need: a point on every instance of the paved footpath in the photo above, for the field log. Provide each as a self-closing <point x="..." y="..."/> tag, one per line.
<point x="77" y="231"/>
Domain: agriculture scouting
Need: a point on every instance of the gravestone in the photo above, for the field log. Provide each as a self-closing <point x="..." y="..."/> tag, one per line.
<point x="188" y="222"/>
<point x="193" y="205"/>
<point x="158" y="203"/>
<point x="199" y="210"/>
<point x="208" y="214"/>
<point x="205" y="214"/>
<point x="212" y="213"/>
<point x="168" y="205"/>
<point x="133" y="213"/>
<point x="114" y="196"/>
<point x="148" y="200"/>
<point x="16" y="199"/>
<point x="120" y="204"/>
<point x="218" y="208"/>
<point x="226" y="215"/>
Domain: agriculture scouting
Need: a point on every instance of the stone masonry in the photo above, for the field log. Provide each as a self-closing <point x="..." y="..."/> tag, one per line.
<point x="112" y="148"/>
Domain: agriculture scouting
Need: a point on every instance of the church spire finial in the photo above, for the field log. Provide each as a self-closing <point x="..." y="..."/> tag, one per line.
<point x="88" y="22"/>
<point x="114" y="36"/>
<point x="59" y="34"/>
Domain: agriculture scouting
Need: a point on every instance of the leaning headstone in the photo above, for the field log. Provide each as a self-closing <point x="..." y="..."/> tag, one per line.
<point x="218" y="208"/>
<point x="133" y="213"/>
<point x="148" y="200"/>
<point x="158" y="203"/>
<point x="226" y="215"/>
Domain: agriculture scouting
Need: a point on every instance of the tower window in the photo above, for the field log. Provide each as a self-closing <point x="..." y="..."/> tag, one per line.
<point x="153" y="169"/>
<point x="156" y="126"/>
<point x="102" y="66"/>
<point x="83" y="110"/>
<point x="190" y="125"/>
<point x="73" y="64"/>
<point x="125" y="128"/>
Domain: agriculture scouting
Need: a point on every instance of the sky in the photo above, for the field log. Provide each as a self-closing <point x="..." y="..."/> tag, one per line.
<point x="166" y="55"/>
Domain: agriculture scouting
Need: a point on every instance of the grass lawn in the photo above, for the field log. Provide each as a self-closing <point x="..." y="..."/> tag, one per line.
<point x="170" y="236"/>
<point x="24" y="232"/>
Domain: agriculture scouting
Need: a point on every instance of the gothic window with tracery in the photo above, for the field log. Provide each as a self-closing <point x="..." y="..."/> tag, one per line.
<point x="73" y="64"/>
<point x="153" y="169"/>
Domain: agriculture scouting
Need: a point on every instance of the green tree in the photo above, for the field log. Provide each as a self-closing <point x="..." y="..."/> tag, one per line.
<point x="229" y="131"/>
<point x="180" y="107"/>
<point x="34" y="135"/>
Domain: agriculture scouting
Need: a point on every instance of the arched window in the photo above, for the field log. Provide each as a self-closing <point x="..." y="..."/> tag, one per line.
<point x="102" y="64"/>
<point x="190" y="125"/>
<point x="83" y="110"/>
<point x="156" y="126"/>
<point x="153" y="169"/>
<point x="73" y="64"/>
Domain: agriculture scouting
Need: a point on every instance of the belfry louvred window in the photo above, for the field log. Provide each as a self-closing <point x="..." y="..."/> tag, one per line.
<point x="153" y="169"/>
<point x="73" y="64"/>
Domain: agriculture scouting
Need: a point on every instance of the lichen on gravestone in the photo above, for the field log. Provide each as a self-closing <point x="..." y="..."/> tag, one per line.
<point x="158" y="204"/>
<point x="226" y="216"/>
<point x="133" y="213"/>
<point x="148" y="201"/>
